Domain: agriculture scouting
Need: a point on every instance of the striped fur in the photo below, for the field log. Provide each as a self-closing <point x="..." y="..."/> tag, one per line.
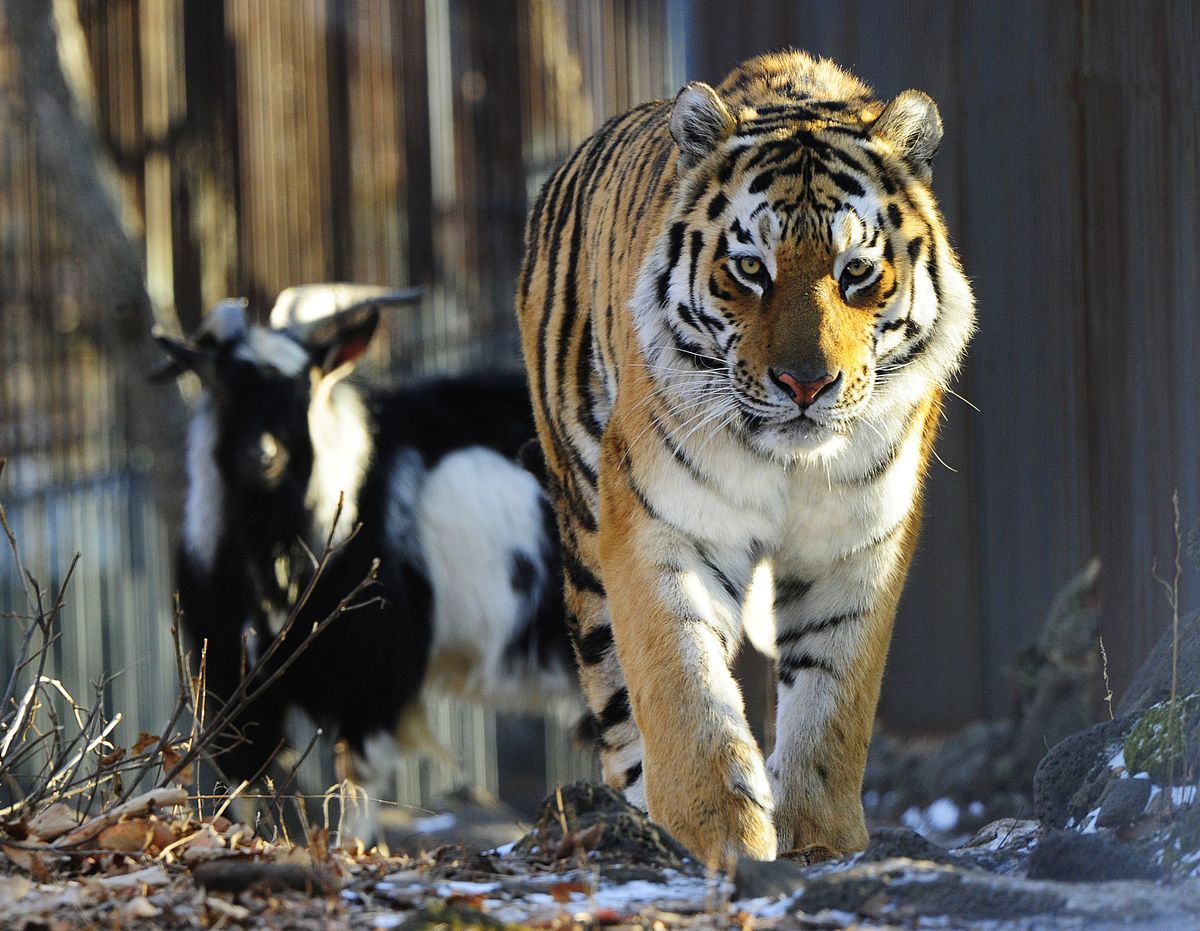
<point x="681" y="266"/>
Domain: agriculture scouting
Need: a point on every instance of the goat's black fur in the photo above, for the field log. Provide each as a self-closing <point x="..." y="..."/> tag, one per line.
<point x="370" y="664"/>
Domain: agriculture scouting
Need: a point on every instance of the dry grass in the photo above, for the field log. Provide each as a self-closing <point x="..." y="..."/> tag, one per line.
<point x="58" y="754"/>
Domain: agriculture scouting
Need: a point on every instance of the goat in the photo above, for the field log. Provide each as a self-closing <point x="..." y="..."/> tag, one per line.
<point x="469" y="572"/>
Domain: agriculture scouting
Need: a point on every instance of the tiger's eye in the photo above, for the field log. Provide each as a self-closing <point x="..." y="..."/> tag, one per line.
<point x="856" y="269"/>
<point x="750" y="266"/>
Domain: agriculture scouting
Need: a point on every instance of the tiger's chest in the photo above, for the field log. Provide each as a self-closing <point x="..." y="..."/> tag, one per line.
<point x="829" y="520"/>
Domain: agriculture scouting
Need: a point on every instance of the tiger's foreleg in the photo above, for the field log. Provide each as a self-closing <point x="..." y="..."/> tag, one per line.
<point x="830" y="667"/>
<point x="703" y="772"/>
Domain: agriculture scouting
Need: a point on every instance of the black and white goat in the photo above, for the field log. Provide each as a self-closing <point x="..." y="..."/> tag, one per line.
<point x="469" y="572"/>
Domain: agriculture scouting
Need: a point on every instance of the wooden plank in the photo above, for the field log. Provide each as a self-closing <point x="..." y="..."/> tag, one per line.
<point x="1140" y="127"/>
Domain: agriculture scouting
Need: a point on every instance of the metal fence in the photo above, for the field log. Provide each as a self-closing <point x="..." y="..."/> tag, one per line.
<point x="260" y="145"/>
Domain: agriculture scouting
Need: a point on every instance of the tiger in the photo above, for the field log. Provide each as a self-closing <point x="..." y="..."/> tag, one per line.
<point x="739" y="313"/>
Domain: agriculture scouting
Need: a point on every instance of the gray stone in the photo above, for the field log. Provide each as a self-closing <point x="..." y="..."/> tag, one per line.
<point x="1152" y="682"/>
<point x="1122" y="801"/>
<point x="1074" y="764"/>
<point x="889" y="842"/>
<point x="756" y="879"/>
<point x="1068" y="856"/>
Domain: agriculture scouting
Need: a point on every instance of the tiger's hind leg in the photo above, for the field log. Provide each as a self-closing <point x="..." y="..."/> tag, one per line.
<point x="611" y="723"/>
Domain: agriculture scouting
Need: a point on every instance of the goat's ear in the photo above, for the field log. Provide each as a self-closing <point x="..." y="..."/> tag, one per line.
<point x="336" y="357"/>
<point x="699" y="122"/>
<point x="185" y="356"/>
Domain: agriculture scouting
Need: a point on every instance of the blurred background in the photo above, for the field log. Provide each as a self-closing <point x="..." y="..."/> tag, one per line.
<point x="158" y="155"/>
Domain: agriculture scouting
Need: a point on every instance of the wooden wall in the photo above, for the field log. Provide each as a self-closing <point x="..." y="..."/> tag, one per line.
<point x="1069" y="179"/>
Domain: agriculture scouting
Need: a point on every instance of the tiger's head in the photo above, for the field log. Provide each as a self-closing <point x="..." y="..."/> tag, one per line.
<point x="803" y="282"/>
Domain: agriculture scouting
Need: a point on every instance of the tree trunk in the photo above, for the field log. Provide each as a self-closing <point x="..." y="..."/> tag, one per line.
<point x="72" y="164"/>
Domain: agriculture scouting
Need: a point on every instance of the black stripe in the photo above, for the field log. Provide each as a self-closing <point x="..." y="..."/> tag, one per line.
<point x="914" y="247"/>
<point x="633" y="774"/>
<point x="617" y="711"/>
<point x="643" y="499"/>
<point x="931" y="265"/>
<point x="847" y="183"/>
<point x="800" y="631"/>
<point x="790" y="666"/>
<point x="790" y="589"/>
<point x="716" y="205"/>
<point x="678" y="452"/>
<point x="579" y="575"/>
<point x="725" y="172"/>
<point x="762" y="182"/>
<point x="595" y="645"/>
<point x="674" y="248"/>
<point x="731" y="589"/>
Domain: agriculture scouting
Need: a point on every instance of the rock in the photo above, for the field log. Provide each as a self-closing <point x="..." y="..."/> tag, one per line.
<point x="604" y="827"/>
<point x="1122" y="801"/>
<point x="894" y="890"/>
<point x="470" y="818"/>
<point x="1006" y="834"/>
<point x="1165" y="740"/>
<point x="1073" y="765"/>
<point x="1068" y="856"/>
<point x="1055" y="694"/>
<point x="1152" y="682"/>
<point x="757" y="879"/>
<point x="890" y="842"/>
<point x="456" y="916"/>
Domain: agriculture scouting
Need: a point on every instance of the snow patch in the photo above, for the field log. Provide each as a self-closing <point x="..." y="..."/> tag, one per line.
<point x="449" y="888"/>
<point x="434" y="823"/>
<point x="941" y="816"/>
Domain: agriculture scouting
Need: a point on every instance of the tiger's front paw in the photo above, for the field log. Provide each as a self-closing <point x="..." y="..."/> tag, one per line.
<point x="717" y="803"/>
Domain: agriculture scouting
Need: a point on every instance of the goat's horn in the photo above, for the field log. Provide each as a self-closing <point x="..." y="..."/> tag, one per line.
<point x="225" y="322"/>
<point x="311" y="311"/>
<point x="185" y="356"/>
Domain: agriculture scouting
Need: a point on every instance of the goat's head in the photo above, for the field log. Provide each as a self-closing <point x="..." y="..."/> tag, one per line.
<point x="264" y="382"/>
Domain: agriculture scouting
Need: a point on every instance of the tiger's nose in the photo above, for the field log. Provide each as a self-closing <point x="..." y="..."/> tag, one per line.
<point x="804" y="393"/>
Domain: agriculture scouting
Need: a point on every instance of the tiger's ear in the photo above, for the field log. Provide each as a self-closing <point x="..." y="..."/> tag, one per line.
<point x="699" y="121"/>
<point x="913" y="126"/>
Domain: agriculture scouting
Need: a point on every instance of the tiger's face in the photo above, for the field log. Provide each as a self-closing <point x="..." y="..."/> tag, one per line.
<point x="799" y="274"/>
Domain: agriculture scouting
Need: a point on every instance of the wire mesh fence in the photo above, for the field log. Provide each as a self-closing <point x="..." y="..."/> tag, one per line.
<point x="256" y="146"/>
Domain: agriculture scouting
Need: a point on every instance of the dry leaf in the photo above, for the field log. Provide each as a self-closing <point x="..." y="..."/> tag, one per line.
<point x="19" y="857"/>
<point x="54" y="822"/>
<point x="111" y="759"/>
<point x="39" y="872"/>
<point x="139" y="907"/>
<point x="470" y="899"/>
<point x="223" y="909"/>
<point x="152" y="876"/>
<point x="14" y="888"/>
<point x="17" y="830"/>
<point x="145" y="742"/>
<point x="127" y="836"/>
<point x="562" y="891"/>
<point x="582" y="840"/>
<point x="171" y="758"/>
